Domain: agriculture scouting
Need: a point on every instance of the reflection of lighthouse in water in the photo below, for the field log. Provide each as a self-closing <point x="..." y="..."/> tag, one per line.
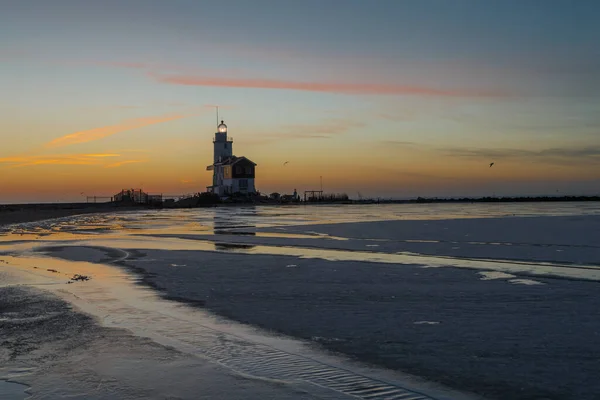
<point x="235" y="221"/>
<point x="226" y="223"/>
<point x="231" y="175"/>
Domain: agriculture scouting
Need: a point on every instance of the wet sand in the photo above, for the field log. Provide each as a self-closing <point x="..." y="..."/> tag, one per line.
<point x="159" y="343"/>
<point x="60" y="352"/>
<point x="501" y="331"/>
<point x="494" y="337"/>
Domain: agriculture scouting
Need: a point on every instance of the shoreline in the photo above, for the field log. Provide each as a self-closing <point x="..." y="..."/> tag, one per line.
<point x="27" y="213"/>
<point x="457" y="327"/>
<point x="89" y="207"/>
<point x="129" y="325"/>
<point x="54" y="349"/>
<point x="421" y="351"/>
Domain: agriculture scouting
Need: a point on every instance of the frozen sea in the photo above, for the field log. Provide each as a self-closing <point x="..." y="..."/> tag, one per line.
<point x="431" y="301"/>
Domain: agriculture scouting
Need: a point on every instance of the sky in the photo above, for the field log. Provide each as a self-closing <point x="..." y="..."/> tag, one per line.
<point x="385" y="98"/>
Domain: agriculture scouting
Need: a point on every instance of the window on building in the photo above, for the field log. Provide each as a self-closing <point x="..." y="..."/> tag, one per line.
<point x="248" y="170"/>
<point x="243" y="184"/>
<point x="238" y="170"/>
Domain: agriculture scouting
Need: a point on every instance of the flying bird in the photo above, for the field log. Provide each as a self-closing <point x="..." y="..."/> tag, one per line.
<point x="491" y="165"/>
<point x="285" y="163"/>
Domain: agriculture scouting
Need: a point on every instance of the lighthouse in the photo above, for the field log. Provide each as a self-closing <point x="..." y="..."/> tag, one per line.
<point x="222" y="145"/>
<point x="231" y="175"/>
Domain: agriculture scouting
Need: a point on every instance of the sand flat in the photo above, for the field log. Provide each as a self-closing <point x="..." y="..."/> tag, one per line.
<point x="499" y="338"/>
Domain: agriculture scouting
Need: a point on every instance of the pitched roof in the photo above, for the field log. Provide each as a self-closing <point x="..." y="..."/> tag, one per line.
<point x="233" y="160"/>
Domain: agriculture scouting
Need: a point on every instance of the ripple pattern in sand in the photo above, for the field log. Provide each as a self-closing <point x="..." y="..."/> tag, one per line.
<point x="275" y="364"/>
<point x="250" y="358"/>
<point x="271" y="363"/>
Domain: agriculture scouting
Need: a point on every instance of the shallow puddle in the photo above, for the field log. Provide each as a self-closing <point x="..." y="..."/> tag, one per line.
<point x="12" y="391"/>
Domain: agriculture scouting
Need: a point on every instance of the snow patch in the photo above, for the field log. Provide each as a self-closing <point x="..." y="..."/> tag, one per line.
<point x="529" y="282"/>
<point x="491" y="275"/>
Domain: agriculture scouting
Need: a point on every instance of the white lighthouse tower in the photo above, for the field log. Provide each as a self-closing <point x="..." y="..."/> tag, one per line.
<point x="223" y="146"/>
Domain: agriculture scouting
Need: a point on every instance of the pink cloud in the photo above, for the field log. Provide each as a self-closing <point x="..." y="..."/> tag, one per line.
<point x="323" y="87"/>
<point x="190" y="76"/>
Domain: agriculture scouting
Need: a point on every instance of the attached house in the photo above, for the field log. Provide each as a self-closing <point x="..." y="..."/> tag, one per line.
<point x="233" y="175"/>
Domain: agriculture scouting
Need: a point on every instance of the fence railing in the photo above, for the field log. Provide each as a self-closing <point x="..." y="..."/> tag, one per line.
<point x="99" y="199"/>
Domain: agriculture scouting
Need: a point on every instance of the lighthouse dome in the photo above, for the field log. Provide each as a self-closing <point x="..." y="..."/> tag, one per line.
<point x="222" y="128"/>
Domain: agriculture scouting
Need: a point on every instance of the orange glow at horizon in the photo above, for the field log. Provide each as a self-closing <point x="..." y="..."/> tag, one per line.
<point x="176" y="168"/>
<point x="60" y="177"/>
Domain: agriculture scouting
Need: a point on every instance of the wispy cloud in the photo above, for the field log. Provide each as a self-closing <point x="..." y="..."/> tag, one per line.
<point x="324" y="87"/>
<point x="121" y="163"/>
<point x="572" y="155"/>
<point x="102" y="155"/>
<point x="68" y="159"/>
<point x="323" y="130"/>
<point x="397" y="143"/>
<point x="190" y="76"/>
<point x="566" y="155"/>
<point x="105" y="131"/>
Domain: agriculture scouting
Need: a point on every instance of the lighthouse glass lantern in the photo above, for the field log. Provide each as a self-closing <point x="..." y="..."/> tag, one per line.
<point x="222" y="128"/>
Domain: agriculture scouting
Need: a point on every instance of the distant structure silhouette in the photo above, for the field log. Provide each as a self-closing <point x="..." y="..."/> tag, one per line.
<point x="136" y="196"/>
<point x="491" y="164"/>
